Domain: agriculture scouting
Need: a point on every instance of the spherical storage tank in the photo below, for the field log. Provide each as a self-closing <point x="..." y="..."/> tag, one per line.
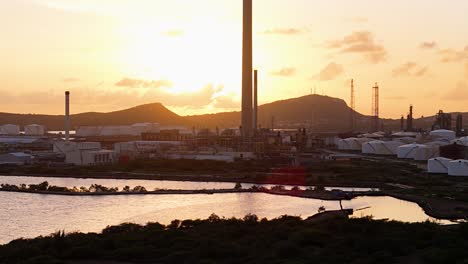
<point x="34" y="130"/>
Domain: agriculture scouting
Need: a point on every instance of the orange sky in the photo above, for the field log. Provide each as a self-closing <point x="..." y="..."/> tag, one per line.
<point x="114" y="54"/>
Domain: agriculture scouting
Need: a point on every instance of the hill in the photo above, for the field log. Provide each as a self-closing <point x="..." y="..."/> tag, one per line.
<point x="321" y="113"/>
<point x="155" y="112"/>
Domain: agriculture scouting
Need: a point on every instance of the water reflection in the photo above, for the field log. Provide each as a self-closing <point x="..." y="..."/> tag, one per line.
<point x="31" y="215"/>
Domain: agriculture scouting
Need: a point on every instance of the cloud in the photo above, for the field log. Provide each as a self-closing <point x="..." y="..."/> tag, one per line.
<point x="428" y="45"/>
<point x="451" y="55"/>
<point x="460" y="92"/>
<point x="137" y="83"/>
<point x="410" y="69"/>
<point x="70" y="80"/>
<point x="330" y="72"/>
<point x="362" y="43"/>
<point x="174" y="33"/>
<point x="282" y="31"/>
<point x="284" y="72"/>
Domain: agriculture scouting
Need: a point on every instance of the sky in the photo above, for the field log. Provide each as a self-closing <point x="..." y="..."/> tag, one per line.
<point x="186" y="54"/>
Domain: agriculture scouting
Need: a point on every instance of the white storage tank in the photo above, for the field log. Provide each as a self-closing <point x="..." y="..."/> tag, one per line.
<point x="458" y="168"/>
<point x="35" y="130"/>
<point x="10" y="130"/>
<point x="407" y="151"/>
<point x="349" y="144"/>
<point x="388" y="148"/>
<point x="426" y="152"/>
<point x="442" y="133"/>
<point x="406" y="140"/>
<point x="371" y="147"/>
<point x="461" y="141"/>
<point x="438" y="165"/>
<point x="88" y="131"/>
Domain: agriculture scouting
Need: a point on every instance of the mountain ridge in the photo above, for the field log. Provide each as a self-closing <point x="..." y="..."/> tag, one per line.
<point x="317" y="112"/>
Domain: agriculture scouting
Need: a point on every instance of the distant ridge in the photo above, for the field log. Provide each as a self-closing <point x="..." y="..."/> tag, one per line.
<point x="321" y="113"/>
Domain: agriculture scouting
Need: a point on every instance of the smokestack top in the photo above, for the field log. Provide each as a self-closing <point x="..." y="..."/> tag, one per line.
<point x="67" y="93"/>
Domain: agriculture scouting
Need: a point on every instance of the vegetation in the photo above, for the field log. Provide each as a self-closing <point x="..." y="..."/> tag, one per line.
<point x="250" y="240"/>
<point x="45" y="187"/>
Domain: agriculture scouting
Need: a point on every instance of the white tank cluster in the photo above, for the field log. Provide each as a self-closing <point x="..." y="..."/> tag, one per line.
<point x="458" y="168"/>
<point x="405" y="146"/>
<point x="29" y="130"/>
<point x="132" y="130"/>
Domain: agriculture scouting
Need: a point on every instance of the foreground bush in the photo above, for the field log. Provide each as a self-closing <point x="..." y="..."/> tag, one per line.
<point x="250" y="240"/>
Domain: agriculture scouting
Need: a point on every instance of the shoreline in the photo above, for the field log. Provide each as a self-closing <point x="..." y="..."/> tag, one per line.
<point x="200" y="178"/>
<point x="436" y="208"/>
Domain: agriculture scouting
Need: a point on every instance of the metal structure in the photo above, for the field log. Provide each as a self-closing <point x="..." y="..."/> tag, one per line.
<point x="247" y="70"/>
<point x="409" y="121"/>
<point x="443" y="121"/>
<point x="255" y="104"/>
<point x="67" y="115"/>
<point x="375" y="107"/>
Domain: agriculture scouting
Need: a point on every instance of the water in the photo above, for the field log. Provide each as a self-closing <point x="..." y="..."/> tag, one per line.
<point x="148" y="184"/>
<point x="30" y="215"/>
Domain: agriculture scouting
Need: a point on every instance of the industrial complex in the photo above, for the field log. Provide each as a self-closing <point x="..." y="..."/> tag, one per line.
<point x="445" y="150"/>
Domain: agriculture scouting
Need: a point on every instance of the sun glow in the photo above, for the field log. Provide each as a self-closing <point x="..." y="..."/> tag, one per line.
<point x="189" y="55"/>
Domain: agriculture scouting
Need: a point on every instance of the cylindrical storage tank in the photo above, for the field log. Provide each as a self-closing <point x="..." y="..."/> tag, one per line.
<point x="442" y="133"/>
<point x="406" y="140"/>
<point x="351" y="144"/>
<point x="88" y="131"/>
<point x="438" y="165"/>
<point x="386" y="148"/>
<point x="458" y="168"/>
<point x="9" y="129"/>
<point x="371" y="147"/>
<point x="424" y="152"/>
<point x="461" y="141"/>
<point x="34" y="130"/>
<point x="407" y="151"/>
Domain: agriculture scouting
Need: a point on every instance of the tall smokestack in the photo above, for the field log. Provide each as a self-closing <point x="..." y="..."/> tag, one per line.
<point x="67" y="115"/>
<point x="255" y="106"/>
<point x="247" y="69"/>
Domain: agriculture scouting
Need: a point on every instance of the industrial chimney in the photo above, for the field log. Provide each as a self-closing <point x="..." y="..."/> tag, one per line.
<point x="67" y="115"/>
<point x="247" y="70"/>
<point x="255" y="105"/>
